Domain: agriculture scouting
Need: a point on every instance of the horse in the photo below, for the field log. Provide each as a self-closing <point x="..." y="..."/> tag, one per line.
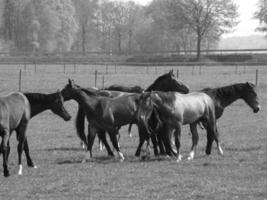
<point x="175" y="109"/>
<point x="225" y="96"/>
<point x="165" y="82"/>
<point x="40" y="102"/>
<point x="103" y="113"/>
<point x="16" y="111"/>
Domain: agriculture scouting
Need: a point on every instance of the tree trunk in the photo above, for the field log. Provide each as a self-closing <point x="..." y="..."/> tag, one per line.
<point x="83" y="38"/>
<point x="198" y="46"/>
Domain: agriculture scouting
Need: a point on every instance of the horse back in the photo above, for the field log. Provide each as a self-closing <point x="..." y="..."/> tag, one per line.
<point x="14" y="108"/>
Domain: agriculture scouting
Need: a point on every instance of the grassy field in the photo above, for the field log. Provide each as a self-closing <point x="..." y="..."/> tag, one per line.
<point x="240" y="174"/>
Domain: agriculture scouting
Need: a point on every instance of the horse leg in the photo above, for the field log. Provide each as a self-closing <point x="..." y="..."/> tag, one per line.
<point x="155" y="144"/>
<point x="142" y="132"/>
<point x="5" y="141"/>
<point x="161" y="142"/>
<point x="167" y="142"/>
<point x="21" y="130"/>
<point x="113" y="138"/>
<point x="193" y="129"/>
<point x="216" y="138"/>
<point x="210" y="139"/>
<point x="102" y="136"/>
<point x="90" y="141"/>
<point x="177" y="139"/>
<point x="27" y="154"/>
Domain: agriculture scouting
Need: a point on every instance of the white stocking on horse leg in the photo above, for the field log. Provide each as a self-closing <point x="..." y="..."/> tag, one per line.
<point x="191" y="155"/>
<point x="220" y="151"/>
<point x="121" y="156"/>
<point x="20" y="170"/>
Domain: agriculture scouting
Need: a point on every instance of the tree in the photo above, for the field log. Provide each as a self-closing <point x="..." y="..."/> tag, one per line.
<point x="261" y="14"/>
<point x="203" y="16"/>
<point x="86" y="17"/>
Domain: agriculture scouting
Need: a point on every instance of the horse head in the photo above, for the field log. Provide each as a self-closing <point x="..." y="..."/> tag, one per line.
<point x="250" y="96"/>
<point x="168" y="82"/>
<point x="58" y="107"/>
<point x="69" y="90"/>
<point x="147" y="107"/>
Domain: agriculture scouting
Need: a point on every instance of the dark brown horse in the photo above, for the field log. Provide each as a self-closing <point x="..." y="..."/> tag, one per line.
<point x="16" y="110"/>
<point x="104" y="114"/>
<point x="225" y="96"/>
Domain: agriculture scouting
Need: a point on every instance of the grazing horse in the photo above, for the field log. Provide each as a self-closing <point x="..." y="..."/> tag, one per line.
<point x="103" y="113"/>
<point x="175" y="109"/>
<point x="17" y="109"/>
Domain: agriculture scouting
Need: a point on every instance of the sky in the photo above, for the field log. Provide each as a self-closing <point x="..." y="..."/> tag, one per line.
<point x="246" y="10"/>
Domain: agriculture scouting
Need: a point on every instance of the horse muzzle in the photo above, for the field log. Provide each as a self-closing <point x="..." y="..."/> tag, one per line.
<point x="257" y="109"/>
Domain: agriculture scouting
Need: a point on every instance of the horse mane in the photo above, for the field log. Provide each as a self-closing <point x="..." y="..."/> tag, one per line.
<point x="88" y="92"/>
<point x="34" y="98"/>
<point x="159" y="79"/>
<point x="224" y="92"/>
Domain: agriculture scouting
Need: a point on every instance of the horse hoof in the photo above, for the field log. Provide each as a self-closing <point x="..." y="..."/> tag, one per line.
<point x="190" y="158"/>
<point x="6" y="174"/>
<point x="35" y="167"/>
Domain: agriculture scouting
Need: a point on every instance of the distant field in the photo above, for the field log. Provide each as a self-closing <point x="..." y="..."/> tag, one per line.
<point x="240" y="174"/>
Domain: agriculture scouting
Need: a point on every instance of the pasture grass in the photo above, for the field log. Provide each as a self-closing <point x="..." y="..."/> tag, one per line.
<point x="240" y="174"/>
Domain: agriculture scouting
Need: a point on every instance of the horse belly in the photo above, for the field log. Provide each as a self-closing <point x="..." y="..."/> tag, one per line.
<point x="193" y="112"/>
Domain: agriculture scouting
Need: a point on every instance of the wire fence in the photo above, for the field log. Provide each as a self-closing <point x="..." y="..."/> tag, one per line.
<point x="47" y="77"/>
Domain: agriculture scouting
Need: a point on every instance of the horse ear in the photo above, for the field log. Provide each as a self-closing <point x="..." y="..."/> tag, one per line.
<point x="71" y="82"/>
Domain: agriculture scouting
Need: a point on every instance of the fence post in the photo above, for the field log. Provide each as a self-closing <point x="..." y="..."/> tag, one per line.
<point x="74" y="68"/>
<point x="193" y="69"/>
<point x="103" y="81"/>
<point x="20" y="74"/>
<point x="64" y="68"/>
<point x="106" y="68"/>
<point x="177" y="73"/>
<point x="115" y="68"/>
<point x="257" y="78"/>
<point x="95" y="77"/>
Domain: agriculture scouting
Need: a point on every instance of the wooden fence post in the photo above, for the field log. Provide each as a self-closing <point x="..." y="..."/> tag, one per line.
<point x="95" y="77"/>
<point x="257" y="78"/>
<point x="177" y="73"/>
<point x="20" y="77"/>
<point x="103" y="81"/>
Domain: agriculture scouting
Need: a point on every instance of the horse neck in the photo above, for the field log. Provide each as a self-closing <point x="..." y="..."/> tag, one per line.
<point x="85" y="100"/>
<point x="40" y="102"/>
<point x="155" y="86"/>
<point x="228" y="95"/>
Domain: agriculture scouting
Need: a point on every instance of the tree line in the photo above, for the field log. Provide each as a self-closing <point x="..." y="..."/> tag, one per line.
<point x="115" y="27"/>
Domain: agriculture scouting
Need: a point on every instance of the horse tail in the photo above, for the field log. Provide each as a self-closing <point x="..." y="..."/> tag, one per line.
<point x="80" y="118"/>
